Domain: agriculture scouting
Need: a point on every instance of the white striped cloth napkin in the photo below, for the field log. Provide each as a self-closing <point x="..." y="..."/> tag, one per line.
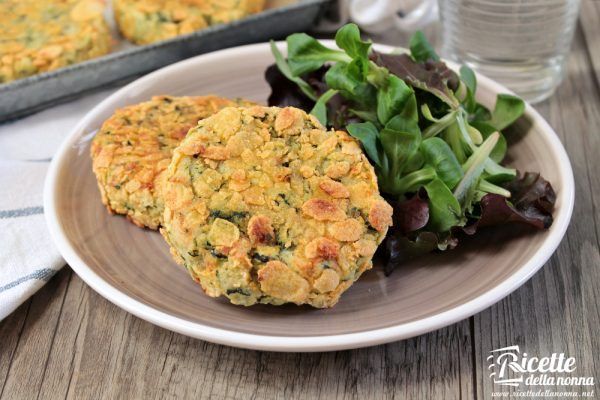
<point x="28" y="257"/>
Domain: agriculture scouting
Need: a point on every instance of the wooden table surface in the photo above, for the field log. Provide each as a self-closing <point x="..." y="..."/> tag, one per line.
<point x="68" y="342"/>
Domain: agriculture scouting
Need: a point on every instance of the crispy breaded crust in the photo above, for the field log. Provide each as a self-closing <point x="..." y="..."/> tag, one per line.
<point x="43" y="35"/>
<point x="148" y="21"/>
<point x="263" y="205"/>
<point x="134" y="147"/>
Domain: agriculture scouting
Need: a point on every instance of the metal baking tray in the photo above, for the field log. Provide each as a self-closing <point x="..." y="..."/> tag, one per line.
<point x="126" y="62"/>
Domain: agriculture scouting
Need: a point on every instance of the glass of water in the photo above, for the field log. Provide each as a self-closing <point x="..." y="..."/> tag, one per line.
<point x="523" y="44"/>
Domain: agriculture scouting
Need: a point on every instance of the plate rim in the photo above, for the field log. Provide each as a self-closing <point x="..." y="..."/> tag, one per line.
<point x="302" y="343"/>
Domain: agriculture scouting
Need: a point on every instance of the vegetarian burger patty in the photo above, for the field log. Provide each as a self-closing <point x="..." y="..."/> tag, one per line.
<point x="148" y="21"/>
<point x="43" y="35"/>
<point x="263" y="205"/>
<point x="134" y="147"/>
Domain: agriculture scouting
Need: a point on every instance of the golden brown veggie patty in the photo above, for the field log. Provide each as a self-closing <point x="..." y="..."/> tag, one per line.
<point x="148" y="21"/>
<point x="43" y="35"/>
<point x="263" y="205"/>
<point x="134" y="147"/>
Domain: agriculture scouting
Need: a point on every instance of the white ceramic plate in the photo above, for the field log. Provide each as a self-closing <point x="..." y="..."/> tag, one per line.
<point x="425" y="294"/>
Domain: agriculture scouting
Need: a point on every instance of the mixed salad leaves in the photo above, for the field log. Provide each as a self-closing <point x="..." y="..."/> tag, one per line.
<point x="436" y="151"/>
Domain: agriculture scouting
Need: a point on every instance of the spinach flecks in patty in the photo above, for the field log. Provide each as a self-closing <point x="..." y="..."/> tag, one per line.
<point x="228" y="215"/>
<point x="260" y="258"/>
<point x="238" y="291"/>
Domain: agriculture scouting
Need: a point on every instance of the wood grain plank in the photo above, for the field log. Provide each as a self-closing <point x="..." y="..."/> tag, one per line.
<point x="590" y="50"/>
<point x="93" y="351"/>
<point x="590" y="12"/>
<point x="11" y="330"/>
<point x="557" y="310"/>
<point x="101" y="351"/>
<point x="69" y="341"/>
<point x="37" y="339"/>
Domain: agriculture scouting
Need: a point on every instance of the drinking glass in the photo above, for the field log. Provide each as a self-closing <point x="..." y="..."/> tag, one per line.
<point x="523" y="44"/>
